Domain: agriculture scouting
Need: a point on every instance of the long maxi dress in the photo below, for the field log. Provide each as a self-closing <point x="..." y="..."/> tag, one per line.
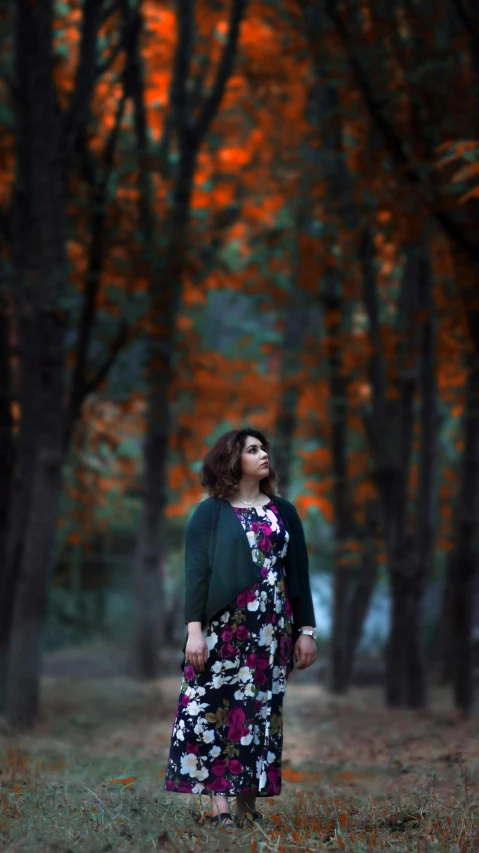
<point x="227" y="734"/>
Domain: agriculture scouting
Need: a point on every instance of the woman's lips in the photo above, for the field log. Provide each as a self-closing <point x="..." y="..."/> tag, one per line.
<point x="264" y="465"/>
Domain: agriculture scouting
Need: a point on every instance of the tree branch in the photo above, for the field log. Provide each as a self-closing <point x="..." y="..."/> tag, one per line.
<point x="77" y="113"/>
<point x="92" y="286"/>
<point x="391" y="137"/>
<point x="224" y="71"/>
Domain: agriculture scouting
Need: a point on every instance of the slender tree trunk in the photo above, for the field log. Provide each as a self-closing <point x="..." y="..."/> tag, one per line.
<point x="364" y="589"/>
<point x="465" y="555"/>
<point x="341" y="497"/>
<point x="426" y="502"/>
<point x="7" y="443"/>
<point x="296" y="321"/>
<point x="164" y="262"/>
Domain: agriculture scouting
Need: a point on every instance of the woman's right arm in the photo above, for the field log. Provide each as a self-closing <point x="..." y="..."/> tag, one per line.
<point x="197" y="576"/>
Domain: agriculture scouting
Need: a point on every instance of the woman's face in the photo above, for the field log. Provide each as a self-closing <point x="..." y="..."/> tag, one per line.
<point x="254" y="459"/>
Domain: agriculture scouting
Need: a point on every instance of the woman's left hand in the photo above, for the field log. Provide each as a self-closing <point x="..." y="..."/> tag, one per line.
<point x="305" y="652"/>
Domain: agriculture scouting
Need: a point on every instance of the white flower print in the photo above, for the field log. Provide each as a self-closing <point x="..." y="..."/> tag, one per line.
<point x="217" y="666"/>
<point x="179" y="732"/>
<point x="251" y="538"/>
<point x="200" y="725"/>
<point x="208" y="736"/>
<point x="211" y="640"/>
<point x="271" y="579"/>
<point x="226" y="616"/>
<point x="230" y="664"/>
<point x="253" y="605"/>
<point x="201" y="774"/>
<point x="246" y="739"/>
<point x="265" y="636"/>
<point x="273" y="520"/>
<point x="189" y="763"/>
<point x="200" y="691"/>
<point x="239" y="695"/>
<point x="215" y="751"/>
<point x="249" y="690"/>
<point x="245" y="674"/>
<point x="276" y="672"/>
<point x="217" y="681"/>
<point x="270" y="757"/>
<point x="197" y="789"/>
<point x="194" y="708"/>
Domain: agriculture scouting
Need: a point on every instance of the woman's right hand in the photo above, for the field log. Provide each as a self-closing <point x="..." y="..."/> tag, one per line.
<point x="196" y="650"/>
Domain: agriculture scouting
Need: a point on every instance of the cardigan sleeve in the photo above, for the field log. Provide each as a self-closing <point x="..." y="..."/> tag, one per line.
<point x="305" y="608"/>
<point x="197" y="565"/>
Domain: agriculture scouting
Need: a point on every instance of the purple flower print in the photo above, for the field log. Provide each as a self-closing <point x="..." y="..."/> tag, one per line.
<point x="257" y="705"/>
<point x="251" y="661"/>
<point x="242" y="599"/>
<point x="235" y="766"/>
<point x="265" y="545"/>
<point x="271" y="619"/>
<point x="235" y="715"/>
<point x="273" y="774"/>
<point x="288" y="608"/>
<point x="184" y="700"/>
<point x="219" y="784"/>
<point x="227" y="650"/>
<point x="266" y="528"/>
<point x="236" y="732"/>
<point x="274" y="788"/>
<point x="192" y="748"/>
<point x="227" y="634"/>
<point x="255" y="527"/>
<point x="169" y="785"/>
<point x="242" y="633"/>
<point x="185" y="787"/>
<point x="260" y="678"/>
<point x="262" y="661"/>
<point x="274" y="508"/>
<point x="264" y="572"/>
<point x="189" y="672"/>
<point x="219" y="766"/>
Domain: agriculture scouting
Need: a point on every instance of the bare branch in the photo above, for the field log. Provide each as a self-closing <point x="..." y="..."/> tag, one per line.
<point x="224" y="71"/>
<point x="77" y="113"/>
<point x="391" y="137"/>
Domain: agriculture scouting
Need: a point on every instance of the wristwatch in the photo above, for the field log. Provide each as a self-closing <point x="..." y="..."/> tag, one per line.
<point x="310" y="632"/>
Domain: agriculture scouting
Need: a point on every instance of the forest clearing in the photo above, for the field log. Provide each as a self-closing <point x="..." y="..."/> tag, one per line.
<point x="357" y="777"/>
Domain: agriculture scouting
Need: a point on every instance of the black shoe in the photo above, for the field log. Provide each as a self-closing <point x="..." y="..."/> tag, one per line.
<point x="222" y="819"/>
<point x="248" y="818"/>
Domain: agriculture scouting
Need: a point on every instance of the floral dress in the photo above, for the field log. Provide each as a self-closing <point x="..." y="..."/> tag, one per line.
<point x="228" y="730"/>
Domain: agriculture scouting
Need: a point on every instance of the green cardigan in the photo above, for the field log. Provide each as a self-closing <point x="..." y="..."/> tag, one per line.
<point x="219" y="563"/>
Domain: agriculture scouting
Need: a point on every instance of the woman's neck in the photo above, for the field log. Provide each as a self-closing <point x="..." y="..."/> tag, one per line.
<point x="249" y="492"/>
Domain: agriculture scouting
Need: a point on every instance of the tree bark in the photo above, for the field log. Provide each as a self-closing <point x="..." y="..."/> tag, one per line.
<point x="44" y="141"/>
<point x="426" y="501"/>
<point x="465" y="555"/>
<point x="364" y="589"/>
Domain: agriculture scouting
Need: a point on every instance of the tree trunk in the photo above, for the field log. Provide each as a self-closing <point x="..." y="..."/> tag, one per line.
<point x="465" y="555"/>
<point x="426" y="503"/>
<point x="7" y="444"/>
<point x="341" y="498"/>
<point x="164" y="263"/>
<point x="296" y="321"/>
<point x="366" y="582"/>
<point x="44" y="139"/>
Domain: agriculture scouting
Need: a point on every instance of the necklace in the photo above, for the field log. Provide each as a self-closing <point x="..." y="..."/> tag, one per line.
<point x="247" y="503"/>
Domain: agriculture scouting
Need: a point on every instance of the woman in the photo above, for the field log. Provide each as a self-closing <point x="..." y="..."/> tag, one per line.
<point x="247" y="585"/>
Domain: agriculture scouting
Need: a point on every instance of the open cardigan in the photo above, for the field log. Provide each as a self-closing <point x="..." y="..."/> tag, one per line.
<point x="219" y="563"/>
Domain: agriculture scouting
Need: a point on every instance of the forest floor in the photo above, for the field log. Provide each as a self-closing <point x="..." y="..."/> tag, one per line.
<point x="356" y="776"/>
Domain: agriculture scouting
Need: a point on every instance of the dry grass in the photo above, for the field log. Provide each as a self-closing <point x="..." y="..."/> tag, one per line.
<point x="356" y="777"/>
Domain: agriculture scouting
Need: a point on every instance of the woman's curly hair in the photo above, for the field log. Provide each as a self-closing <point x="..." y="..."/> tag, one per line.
<point x="222" y="469"/>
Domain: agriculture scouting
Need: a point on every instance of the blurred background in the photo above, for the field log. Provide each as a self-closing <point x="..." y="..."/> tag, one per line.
<point x="219" y="214"/>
